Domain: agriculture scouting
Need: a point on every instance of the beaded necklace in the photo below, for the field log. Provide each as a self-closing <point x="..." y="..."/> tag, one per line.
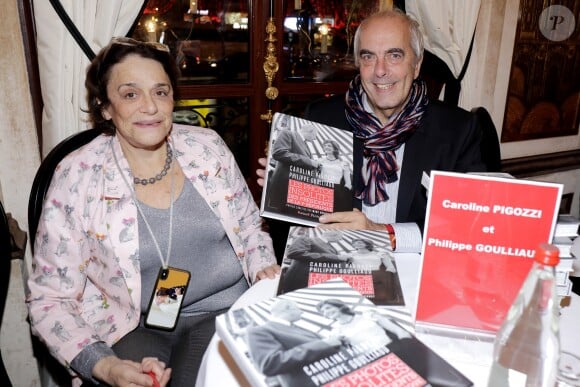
<point x="161" y="174"/>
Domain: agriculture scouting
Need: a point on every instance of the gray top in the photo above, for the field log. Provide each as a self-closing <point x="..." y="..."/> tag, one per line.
<point x="200" y="246"/>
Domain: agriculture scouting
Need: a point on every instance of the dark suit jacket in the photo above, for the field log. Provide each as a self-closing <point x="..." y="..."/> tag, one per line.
<point x="289" y="149"/>
<point x="281" y="350"/>
<point x="448" y="139"/>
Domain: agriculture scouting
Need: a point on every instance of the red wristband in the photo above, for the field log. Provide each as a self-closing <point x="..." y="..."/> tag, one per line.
<point x="392" y="236"/>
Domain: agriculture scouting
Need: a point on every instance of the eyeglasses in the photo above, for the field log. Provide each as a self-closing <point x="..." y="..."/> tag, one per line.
<point x="122" y="40"/>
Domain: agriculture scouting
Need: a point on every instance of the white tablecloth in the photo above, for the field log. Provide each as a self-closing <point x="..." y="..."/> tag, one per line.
<point x="472" y="358"/>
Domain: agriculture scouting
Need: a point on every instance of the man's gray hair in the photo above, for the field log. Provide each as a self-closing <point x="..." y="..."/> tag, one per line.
<point x="417" y="43"/>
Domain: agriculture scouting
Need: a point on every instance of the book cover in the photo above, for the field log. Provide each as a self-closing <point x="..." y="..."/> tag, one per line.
<point x="362" y="258"/>
<point x="328" y="335"/>
<point x="308" y="172"/>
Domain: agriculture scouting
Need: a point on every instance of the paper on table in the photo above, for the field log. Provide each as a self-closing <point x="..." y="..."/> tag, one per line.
<point x="409" y="239"/>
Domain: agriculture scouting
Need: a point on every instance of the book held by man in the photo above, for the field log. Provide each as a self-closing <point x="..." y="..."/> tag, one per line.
<point x="308" y="172"/>
<point x="362" y="258"/>
<point x="328" y="335"/>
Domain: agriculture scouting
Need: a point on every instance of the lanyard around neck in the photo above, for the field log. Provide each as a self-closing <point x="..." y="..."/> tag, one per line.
<point x="164" y="261"/>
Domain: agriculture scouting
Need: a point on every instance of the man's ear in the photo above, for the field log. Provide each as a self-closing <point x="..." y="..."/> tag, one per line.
<point x="418" y="67"/>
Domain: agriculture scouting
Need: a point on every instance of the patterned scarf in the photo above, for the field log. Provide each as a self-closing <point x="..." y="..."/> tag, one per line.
<point x="380" y="142"/>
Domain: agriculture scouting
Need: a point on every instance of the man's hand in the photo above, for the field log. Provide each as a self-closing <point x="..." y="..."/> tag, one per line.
<point x="349" y="220"/>
<point x="267" y="272"/>
<point x="261" y="172"/>
<point x="119" y="372"/>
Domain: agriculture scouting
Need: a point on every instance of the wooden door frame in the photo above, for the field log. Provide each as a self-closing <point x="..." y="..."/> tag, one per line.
<point x="28" y="29"/>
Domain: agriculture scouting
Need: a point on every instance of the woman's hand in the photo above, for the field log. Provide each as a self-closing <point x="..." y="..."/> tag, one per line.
<point x="119" y="372"/>
<point x="156" y="369"/>
<point x="348" y="220"/>
<point x="268" y="272"/>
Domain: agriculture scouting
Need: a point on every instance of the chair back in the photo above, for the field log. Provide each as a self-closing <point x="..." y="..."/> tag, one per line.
<point x="51" y="372"/>
<point x="46" y="171"/>
<point x="5" y="258"/>
<point x="490" y="149"/>
<point x="436" y="74"/>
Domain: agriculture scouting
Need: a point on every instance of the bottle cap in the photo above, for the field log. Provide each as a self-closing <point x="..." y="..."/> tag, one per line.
<point x="547" y="254"/>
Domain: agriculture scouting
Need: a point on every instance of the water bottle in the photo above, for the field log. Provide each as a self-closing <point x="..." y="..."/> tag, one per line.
<point x="527" y="346"/>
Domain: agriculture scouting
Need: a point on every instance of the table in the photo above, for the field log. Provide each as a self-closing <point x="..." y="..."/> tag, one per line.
<point x="472" y="358"/>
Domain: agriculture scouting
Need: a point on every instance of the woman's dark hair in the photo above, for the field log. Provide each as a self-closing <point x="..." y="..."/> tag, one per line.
<point x="369" y="245"/>
<point x="335" y="147"/>
<point x="99" y="73"/>
<point x="342" y="307"/>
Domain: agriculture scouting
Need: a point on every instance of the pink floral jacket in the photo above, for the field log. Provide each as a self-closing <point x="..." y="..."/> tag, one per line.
<point x="85" y="280"/>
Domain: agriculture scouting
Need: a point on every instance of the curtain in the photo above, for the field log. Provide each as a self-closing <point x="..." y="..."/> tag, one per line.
<point x="448" y="28"/>
<point x="62" y="64"/>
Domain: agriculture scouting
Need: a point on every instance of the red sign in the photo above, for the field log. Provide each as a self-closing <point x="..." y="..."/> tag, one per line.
<point x="480" y="238"/>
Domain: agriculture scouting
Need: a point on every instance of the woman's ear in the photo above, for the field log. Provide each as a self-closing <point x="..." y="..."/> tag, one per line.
<point x="105" y="114"/>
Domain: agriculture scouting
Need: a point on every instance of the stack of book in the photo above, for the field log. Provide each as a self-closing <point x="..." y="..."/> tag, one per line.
<point x="330" y="335"/>
<point x="362" y="258"/>
<point x="565" y="238"/>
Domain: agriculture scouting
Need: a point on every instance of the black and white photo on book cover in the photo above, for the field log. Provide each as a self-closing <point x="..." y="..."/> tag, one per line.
<point x="328" y="335"/>
<point x="363" y="258"/>
<point x="308" y="172"/>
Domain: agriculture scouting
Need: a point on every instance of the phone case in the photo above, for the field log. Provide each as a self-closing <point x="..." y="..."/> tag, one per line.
<point x="167" y="297"/>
